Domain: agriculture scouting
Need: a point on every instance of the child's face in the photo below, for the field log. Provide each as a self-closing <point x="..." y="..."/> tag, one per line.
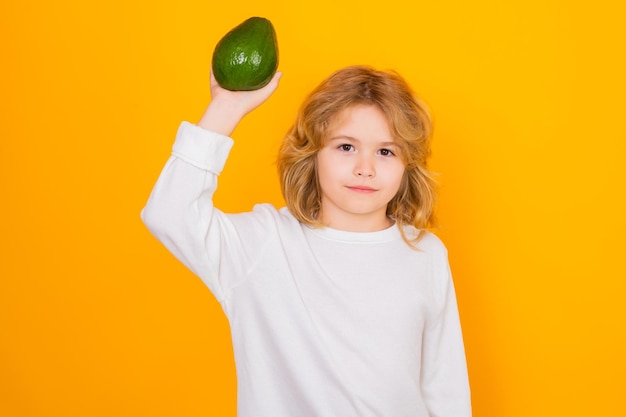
<point x="359" y="170"/>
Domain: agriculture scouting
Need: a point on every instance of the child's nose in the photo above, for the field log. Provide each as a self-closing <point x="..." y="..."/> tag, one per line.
<point x="364" y="168"/>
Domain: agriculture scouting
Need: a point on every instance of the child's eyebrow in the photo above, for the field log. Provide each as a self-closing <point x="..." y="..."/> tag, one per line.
<point x="344" y="137"/>
<point x="353" y="139"/>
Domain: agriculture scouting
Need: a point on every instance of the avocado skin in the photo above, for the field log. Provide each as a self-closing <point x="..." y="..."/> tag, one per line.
<point x="246" y="58"/>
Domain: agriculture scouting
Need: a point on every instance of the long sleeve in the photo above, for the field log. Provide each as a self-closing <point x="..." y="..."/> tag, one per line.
<point x="445" y="383"/>
<point x="181" y="215"/>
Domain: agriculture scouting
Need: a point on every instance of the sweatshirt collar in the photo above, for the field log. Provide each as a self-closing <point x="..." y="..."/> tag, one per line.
<point x="385" y="235"/>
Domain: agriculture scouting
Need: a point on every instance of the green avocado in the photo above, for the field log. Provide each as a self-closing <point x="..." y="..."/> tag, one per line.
<point x="246" y="58"/>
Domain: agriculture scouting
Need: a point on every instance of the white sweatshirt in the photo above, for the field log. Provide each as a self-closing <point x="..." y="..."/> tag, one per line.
<point x="324" y="323"/>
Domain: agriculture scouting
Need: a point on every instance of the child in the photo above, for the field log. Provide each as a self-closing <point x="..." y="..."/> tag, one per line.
<point x="340" y="304"/>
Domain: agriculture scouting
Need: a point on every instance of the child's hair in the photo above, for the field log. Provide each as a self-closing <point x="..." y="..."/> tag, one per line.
<point x="409" y="122"/>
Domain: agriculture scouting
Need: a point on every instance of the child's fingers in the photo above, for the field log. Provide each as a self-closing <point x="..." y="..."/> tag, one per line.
<point x="273" y="84"/>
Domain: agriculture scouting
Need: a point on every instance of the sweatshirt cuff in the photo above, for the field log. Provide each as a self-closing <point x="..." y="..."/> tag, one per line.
<point x="202" y="148"/>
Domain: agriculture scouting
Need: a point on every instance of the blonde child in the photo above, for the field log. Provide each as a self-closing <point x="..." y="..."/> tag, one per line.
<point x="340" y="304"/>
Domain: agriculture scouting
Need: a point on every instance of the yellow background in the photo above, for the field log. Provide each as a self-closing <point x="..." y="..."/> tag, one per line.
<point x="97" y="319"/>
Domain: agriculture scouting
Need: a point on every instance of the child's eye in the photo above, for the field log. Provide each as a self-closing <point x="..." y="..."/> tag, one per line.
<point x="386" y="152"/>
<point x="345" y="147"/>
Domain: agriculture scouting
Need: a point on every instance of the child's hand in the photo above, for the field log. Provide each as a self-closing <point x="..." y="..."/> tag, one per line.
<point x="227" y="107"/>
<point x="245" y="100"/>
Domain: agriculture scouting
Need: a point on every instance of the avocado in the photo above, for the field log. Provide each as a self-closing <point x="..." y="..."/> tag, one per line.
<point x="246" y="58"/>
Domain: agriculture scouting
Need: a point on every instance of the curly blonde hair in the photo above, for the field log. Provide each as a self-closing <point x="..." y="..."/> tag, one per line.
<point x="409" y="122"/>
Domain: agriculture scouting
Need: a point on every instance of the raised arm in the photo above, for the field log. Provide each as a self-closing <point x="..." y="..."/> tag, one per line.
<point x="180" y="211"/>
